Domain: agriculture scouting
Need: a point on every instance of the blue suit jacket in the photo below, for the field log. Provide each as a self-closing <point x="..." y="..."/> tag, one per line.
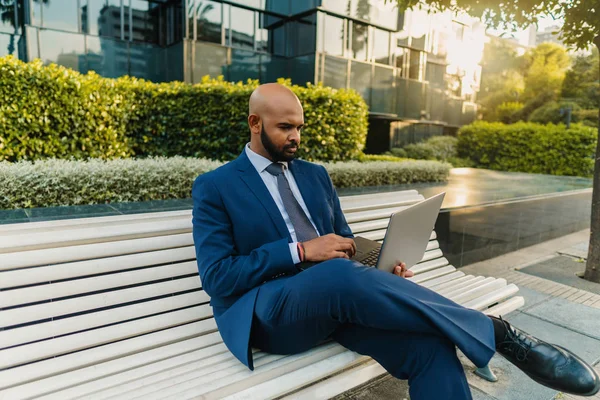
<point x="242" y="240"/>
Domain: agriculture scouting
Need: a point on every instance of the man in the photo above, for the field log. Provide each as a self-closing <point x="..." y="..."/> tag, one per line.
<point x="258" y="217"/>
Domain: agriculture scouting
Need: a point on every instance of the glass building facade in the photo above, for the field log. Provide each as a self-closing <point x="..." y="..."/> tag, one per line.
<point x="411" y="68"/>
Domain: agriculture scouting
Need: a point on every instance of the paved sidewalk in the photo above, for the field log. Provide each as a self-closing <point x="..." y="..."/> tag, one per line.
<point x="554" y="312"/>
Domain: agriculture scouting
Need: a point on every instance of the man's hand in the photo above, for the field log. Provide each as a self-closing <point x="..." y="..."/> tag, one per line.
<point x="401" y="271"/>
<point x="327" y="247"/>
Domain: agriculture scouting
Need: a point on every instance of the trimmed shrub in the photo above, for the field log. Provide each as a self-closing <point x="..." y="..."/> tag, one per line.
<point x="587" y="117"/>
<point x="53" y="182"/>
<point x="354" y="173"/>
<point x="379" y="157"/>
<point x="529" y="147"/>
<point x="550" y="112"/>
<point x="435" y="148"/>
<point x="509" y="112"/>
<point x="52" y="111"/>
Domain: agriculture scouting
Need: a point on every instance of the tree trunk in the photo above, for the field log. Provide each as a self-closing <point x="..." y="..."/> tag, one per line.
<point x="592" y="269"/>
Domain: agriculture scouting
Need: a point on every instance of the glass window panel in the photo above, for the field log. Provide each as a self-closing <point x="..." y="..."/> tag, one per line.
<point x="333" y="36"/>
<point x="435" y="74"/>
<point x="174" y="55"/>
<point x="278" y="6"/>
<point x="418" y="42"/>
<point x="414" y="70"/>
<point x="302" y="69"/>
<point x="360" y="79"/>
<point x="301" y="6"/>
<point x="209" y="23"/>
<point x="147" y="61"/>
<point x="9" y="45"/>
<point x="7" y="16"/>
<point x="401" y="96"/>
<point x="305" y="31"/>
<point x="437" y="99"/>
<point x="383" y="92"/>
<point x="244" y="65"/>
<point x="401" y="55"/>
<point x="270" y="35"/>
<point x="63" y="48"/>
<point x="242" y="29"/>
<point x="62" y="15"/>
<point x="108" y="57"/>
<point x="273" y="68"/>
<point x="381" y="46"/>
<point x="252" y="3"/>
<point x="359" y="45"/>
<point x="210" y="60"/>
<point x="144" y="21"/>
<point x="102" y="18"/>
<point x="335" y="72"/>
<point x="414" y="99"/>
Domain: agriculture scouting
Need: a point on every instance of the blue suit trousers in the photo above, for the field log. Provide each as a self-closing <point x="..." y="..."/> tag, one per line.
<point x="410" y="330"/>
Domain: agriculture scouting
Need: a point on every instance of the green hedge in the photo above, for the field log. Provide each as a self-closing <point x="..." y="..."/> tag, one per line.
<point x="52" y="111"/>
<point x="435" y="148"/>
<point x="53" y="182"/>
<point x="56" y="112"/>
<point x="529" y="147"/>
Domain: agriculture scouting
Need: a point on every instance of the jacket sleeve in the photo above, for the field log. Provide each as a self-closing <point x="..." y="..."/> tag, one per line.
<point x="340" y="225"/>
<point x="223" y="271"/>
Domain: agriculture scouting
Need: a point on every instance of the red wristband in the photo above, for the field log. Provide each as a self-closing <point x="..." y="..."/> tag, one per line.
<point x="301" y="251"/>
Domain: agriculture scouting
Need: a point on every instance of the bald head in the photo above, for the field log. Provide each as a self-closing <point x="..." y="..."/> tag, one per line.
<point x="275" y="119"/>
<point x="272" y="95"/>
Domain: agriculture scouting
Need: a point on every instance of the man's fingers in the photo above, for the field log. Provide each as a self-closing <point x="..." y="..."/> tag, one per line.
<point x="341" y="254"/>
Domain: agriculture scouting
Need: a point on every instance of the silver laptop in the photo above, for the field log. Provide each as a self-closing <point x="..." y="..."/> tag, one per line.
<point x="406" y="238"/>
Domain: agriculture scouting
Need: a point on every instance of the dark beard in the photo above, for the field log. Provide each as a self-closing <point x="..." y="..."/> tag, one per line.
<point x="276" y="155"/>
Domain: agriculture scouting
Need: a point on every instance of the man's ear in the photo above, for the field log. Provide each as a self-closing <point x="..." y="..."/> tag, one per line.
<point x="254" y="123"/>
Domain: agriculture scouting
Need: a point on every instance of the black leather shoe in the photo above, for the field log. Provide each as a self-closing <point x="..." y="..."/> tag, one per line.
<point x="548" y="364"/>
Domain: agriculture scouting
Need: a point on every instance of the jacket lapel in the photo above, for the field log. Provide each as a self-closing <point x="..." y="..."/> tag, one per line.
<point x="310" y="194"/>
<point x="250" y="176"/>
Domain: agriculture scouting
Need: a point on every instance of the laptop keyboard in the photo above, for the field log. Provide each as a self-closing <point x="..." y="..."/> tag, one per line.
<point x="371" y="258"/>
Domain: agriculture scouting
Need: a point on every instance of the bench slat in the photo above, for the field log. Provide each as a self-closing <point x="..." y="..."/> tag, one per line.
<point x="432" y="274"/>
<point x="426" y="266"/>
<point x="442" y="279"/>
<point x="77" y="269"/>
<point x="210" y="359"/>
<point x="451" y="284"/>
<point x="33" y="241"/>
<point x="466" y="284"/>
<point x="243" y="379"/>
<point x="67" y="224"/>
<point x="10" y="298"/>
<point x="124" y="385"/>
<point x="295" y="379"/>
<point x="83" y="340"/>
<point x="53" y="309"/>
<point x="507" y="306"/>
<point x="476" y="292"/>
<point x="23" y="259"/>
<point x="136" y="346"/>
<point x="483" y="302"/>
<point x="370" y="215"/>
<point x="210" y="343"/>
<point x="339" y="383"/>
<point x="49" y="330"/>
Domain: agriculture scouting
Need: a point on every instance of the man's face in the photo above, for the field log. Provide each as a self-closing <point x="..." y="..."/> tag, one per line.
<point x="280" y="135"/>
<point x="287" y="152"/>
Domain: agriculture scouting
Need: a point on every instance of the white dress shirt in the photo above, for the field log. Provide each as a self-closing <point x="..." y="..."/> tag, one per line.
<point x="261" y="163"/>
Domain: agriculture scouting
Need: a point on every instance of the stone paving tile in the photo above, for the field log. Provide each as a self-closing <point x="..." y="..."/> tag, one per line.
<point x="562" y="312"/>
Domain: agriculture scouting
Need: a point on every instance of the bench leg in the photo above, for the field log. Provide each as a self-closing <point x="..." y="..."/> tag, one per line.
<point x="486" y="373"/>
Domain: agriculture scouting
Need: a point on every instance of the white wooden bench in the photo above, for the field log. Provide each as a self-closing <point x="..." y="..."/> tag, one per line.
<point x="112" y="307"/>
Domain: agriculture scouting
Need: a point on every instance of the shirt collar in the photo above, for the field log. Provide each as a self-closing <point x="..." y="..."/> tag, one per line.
<point x="259" y="162"/>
